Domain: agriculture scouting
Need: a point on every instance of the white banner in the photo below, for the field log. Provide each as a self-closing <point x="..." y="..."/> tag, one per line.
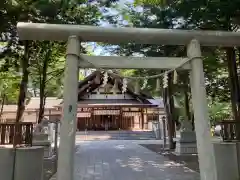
<point x="83" y="114"/>
<point x="106" y="112"/>
<point x="131" y="114"/>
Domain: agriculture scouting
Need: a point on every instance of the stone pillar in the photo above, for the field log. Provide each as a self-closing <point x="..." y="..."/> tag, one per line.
<point x="28" y="163"/>
<point x="56" y="139"/>
<point x="186" y="145"/>
<point x="41" y="139"/>
<point x="226" y="156"/>
<point x="50" y="132"/>
<point x="156" y="127"/>
<point x="164" y="131"/>
<point x="68" y="124"/>
<point x="202" y="125"/>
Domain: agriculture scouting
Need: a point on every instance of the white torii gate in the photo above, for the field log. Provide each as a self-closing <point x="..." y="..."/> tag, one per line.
<point x="74" y="34"/>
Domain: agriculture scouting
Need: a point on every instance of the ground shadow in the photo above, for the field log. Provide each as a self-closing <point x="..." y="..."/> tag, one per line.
<point x="190" y="161"/>
<point x="126" y="161"/>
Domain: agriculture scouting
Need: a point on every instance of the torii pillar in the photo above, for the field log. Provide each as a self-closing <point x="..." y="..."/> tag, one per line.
<point x="68" y="124"/>
<point x="200" y="109"/>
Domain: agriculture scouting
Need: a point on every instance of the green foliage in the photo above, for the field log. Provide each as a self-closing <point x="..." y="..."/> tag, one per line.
<point x="186" y="14"/>
<point x="47" y="67"/>
<point x="219" y="111"/>
<point x="171" y="14"/>
<point x="9" y="84"/>
<point x="81" y="76"/>
<point x="47" y="60"/>
<point x="152" y="2"/>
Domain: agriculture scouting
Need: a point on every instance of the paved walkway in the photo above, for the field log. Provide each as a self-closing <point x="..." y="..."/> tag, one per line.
<point x="125" y="160"/>
<point x="110" y="156"/>
<point x="114" y="135"/>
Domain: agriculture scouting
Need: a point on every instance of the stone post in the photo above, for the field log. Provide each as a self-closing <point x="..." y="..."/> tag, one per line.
<point x="164" y="131"/>
<point x="56" y="139"/>
<point x="202" y="125"/>
<point x="68" y="125"/>
<point x="186" y="144"/>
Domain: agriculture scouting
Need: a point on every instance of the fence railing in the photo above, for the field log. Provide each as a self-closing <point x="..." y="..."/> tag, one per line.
<point x="230" y="130"/>
<point x="24" y="136"/>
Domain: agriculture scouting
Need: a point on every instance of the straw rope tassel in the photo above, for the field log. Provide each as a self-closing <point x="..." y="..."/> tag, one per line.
<point x="145" y="82"/>
<point x="175" y="77"/>
<point x="98" y="91"/>
<point x="105" y="79"/>
<point x="124" y="85"/>
<point x="158" y="85"/>
<point x="165" y="80"/>
<point x="137" y="87"/>
<point x="115" y="87"/>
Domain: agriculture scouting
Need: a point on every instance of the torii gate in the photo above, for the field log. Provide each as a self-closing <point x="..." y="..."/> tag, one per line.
<point x="74" y="34"/>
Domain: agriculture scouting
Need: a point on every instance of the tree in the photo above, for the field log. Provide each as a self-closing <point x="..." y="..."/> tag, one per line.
<point x="218" y="111"/>
<point x="44" y="11"/>
<point x="211" y="15"/>
<point x="8" y="88"/>
<point x="23" y="84"/>
<point x="47" y="68"/>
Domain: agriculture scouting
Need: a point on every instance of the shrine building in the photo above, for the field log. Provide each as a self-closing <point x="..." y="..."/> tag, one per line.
<point x="105" y="106"/>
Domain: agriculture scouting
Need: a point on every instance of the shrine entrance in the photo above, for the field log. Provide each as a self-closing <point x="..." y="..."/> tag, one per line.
<point x="193" y="62"/>
<point x="117" y="118"/>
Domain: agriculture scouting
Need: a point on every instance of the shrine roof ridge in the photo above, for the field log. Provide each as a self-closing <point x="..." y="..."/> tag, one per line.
<point x="114" y="35"/>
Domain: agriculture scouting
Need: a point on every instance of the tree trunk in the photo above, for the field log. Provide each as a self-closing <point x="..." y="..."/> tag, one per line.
<point x="43" y="86"/>
<point x="233" y="81"/>
<point x="234" y="86"/>
<point x="24" y="82"/>
<point x="168" y="104"/>
<point x="22" y="92"/>
<point x="168" y="117"/>
<point x="2" y="105"/>
<point x="35" y="91"/>
<point x="172" y="108"/>
<point x="186" y="104"/>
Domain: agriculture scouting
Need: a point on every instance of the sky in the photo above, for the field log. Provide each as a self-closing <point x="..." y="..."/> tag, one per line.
<point x="99" y="50"/>
<point x="96" y="49"/>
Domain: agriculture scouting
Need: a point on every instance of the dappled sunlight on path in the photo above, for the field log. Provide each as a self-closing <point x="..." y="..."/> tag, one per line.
<point x="125" y="160"/>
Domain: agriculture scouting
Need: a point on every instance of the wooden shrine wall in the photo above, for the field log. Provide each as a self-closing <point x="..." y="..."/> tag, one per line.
<point x="115" y="118"/>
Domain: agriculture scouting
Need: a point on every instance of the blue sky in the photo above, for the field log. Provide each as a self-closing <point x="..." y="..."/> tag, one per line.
<point x="98" y="50"/>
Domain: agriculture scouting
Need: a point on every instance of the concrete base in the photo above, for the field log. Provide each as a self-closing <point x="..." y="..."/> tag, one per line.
<point x="227" y="161"/>
<point x="47" y="147"/>
<point x="28" y="163"/>
<point x="187" y="143"/>
<point x="41" y="139"/>
<point x="187" y="137"/>
<point x="6" y="163"/>
<point x="186" y="148"/>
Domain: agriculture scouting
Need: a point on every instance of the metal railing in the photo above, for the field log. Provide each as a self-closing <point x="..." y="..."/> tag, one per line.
<point x="230" y="130"/>
<point x="24" y="137"/>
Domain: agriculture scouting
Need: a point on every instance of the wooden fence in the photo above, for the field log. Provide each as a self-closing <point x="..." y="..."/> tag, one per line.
<point x="230" y="130"/>
<point x="24" y="135"/>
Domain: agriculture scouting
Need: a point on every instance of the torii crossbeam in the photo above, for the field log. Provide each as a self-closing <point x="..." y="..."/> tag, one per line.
<point x="112" y="35"/>
<point x="76" y="33"/>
